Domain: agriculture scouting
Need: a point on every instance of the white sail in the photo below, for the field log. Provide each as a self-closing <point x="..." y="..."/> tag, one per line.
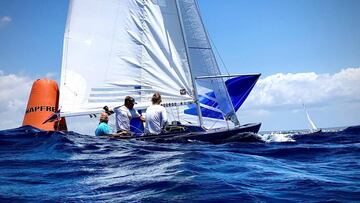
<point x="202" y="59"/>
<point x="115" y="48"/>
<point x="311" y="123"/>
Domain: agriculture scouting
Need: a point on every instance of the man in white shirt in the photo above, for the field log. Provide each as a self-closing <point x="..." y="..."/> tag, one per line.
<point x="124" y="114"/>
<point x="156" y="116"/>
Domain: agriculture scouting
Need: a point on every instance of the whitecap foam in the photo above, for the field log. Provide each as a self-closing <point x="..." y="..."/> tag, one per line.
<point x="277" y="137"/>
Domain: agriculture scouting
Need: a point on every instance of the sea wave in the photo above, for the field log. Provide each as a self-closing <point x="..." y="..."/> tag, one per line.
<point x="286" y="166"/>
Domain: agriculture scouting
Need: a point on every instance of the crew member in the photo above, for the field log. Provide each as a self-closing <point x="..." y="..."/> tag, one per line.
<point x="103" y="127"/>
<point x="156" y="116"/>
<point x="124" y="114"/>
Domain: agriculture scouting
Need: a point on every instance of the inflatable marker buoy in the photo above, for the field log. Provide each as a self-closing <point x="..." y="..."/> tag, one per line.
<point x="43" y="104"/>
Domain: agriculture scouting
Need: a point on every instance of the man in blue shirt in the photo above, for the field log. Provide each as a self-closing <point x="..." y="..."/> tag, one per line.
<point x="103" y="127"/>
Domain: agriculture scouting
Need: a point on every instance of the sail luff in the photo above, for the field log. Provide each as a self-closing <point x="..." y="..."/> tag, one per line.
<point x="195" y="93"/>
<point x="65" y="50"/>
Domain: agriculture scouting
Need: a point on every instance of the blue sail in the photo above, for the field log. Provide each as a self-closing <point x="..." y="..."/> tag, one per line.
<point x="239" y="89"/>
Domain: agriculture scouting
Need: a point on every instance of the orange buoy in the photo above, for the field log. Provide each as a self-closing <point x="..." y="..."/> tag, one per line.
<point x="43" y="103"/>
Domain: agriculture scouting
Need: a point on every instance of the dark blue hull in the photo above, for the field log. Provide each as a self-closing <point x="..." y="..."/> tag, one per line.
<point x="193" y="133"/>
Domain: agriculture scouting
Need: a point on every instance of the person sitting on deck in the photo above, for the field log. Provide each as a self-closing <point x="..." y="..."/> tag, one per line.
<point x="124" y="114"/>
<point x="103" y="127"/>
<point x="156" y="116"/>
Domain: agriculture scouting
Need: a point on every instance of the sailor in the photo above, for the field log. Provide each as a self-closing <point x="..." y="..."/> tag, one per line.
<point x="124" y="114"/>
<point x="103" y="127"/>
<point x="156" y="116"/>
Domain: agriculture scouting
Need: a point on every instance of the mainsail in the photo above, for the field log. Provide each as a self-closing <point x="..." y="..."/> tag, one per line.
<point x="115" y="48"/>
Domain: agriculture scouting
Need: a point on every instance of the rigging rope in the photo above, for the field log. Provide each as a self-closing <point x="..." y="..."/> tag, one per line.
<point x="216" y="50"/>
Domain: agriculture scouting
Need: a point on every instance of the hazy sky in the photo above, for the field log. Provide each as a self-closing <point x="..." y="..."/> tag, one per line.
<point x="306" y="50"/>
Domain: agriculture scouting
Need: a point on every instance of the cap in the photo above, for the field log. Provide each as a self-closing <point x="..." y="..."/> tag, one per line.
<point x="129" y="99"/>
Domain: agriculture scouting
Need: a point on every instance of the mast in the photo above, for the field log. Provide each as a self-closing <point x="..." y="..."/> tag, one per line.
<point x="195" y="93"/>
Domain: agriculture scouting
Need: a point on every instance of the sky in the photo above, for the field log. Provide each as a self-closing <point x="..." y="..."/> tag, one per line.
<point x="306" y="50"/>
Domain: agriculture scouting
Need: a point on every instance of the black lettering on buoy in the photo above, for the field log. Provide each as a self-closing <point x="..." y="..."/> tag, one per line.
<point x="40" y="108"/>
<point x="31" y="109"/>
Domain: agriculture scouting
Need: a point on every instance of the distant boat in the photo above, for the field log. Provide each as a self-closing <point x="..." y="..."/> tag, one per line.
<point x="313" y="128"/>
<point x="116" y="48"/>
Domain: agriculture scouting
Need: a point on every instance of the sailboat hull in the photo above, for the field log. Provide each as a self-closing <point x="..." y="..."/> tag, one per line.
<point x="244" y="133"/>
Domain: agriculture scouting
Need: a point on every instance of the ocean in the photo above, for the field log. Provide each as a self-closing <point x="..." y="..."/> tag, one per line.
<point x="283" y="167"/>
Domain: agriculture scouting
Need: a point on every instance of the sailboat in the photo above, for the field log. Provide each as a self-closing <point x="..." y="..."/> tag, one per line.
<point x="313" y="128"/>
<point x="116" y="48"/>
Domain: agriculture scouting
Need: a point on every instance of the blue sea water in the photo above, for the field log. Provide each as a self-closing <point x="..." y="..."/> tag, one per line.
<point x="291" y="166"/>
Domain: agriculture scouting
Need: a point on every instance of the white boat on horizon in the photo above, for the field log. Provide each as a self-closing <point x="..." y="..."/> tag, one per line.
<point x="312" y="126"/>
